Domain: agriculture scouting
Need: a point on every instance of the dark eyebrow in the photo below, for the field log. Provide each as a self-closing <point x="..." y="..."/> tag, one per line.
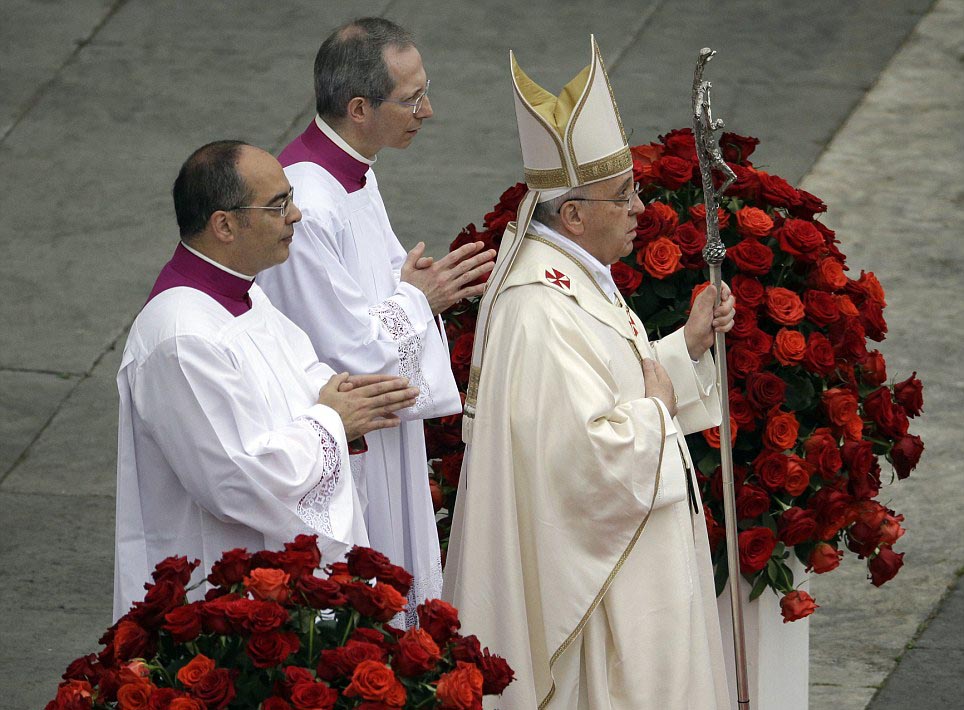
<point x="280" y="196"/>
<point x="628" y="183"/>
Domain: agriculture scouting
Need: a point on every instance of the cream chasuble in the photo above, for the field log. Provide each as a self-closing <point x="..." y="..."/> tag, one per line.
<point x="576" y="552"/>
<point x="221" y="442"/>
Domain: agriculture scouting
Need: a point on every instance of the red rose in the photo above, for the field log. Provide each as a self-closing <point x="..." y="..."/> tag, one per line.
<point x="742" y="361"/>
<point x="751" y="502"/>
<point x="466" y="648"/>
<point x="660" y="259"/>
<point x="821" y="307"/>
<point x="184" y="622"/>
<point x="910" y="395"/>
<point x="267" y="583"/>
<point x="840" y="405"/>
<point x="450" y="467"/>
<point x="275" y="703"/>
<point x="184" y="702"/>
<point x="783" y="305"/>
<point x="271" y="649"/>
<point x="438" y="497"/>
<point x="865" y="485"/>
<point x="796" y="605"/>
<point x="319" y="593"/>
<point x="798" y="475"/>
<point x="231" y="568"/>
<point x="737" y="148"/>
<point x="831" y="507"/>
<point x="626" y="278"/>
<point x="751" y="257"/>
<point x="753" y="222"/>
<point x="72" y="695"/>
<point x="712" y="435"/>
<point x="824" y="558"/>
<point x="780" y="431"/>
<point x="680" y="142"/>
<point x="867" y="287"/>
<point x="214" y="616"/>
<point x="747" y="184"/>
<point x="756" y="545"/>
<point x="462" y="356"/>
<point x="373" y="680"/>
<point x="809" y="205"/>
<point x="821" y="450"/>
<point x="161" y="597"/>
<point x="714" y="531"/>
<point x="848" y="338"/>
<point x="313" y="696"/>
<point x="765" y="390"/>
<point x="342" y="662"/>
<point x="439" y="618"/>
<point x="198" y="667"/>
<point x="135" y="695"/>
<point x="796" y="525"/>
<point x="819" y="356"/>
<point x="873" y="370"/>
<point x="748" y="291"/>
<point x="800" y="238"/>
<point x="828" y="274"/>
<point x="673" y="172"/>
<point x="460" y="689"/>
<point x="790" y="346"/>
<point x="691" y="241"/>
<point x="872" y="318"/>
<point x="176" y="569"/>
<point x="657" y="220"/>
<point x="777" y="191"/>
<point x="365" y="562"/>
<point x="131" y="640"/>
<point x="863" y="538"/>
<point x="744" y="325"/>
<point x="889" y="418"/>
<point x="885" y="566"/>
<point x="496" y="674"/>
<point x="905" y="454"/>
<point x="771" y="469"/>
<point x="417" y="653"/>
<point x="215" y="689"/>
<point x="698" y="217"/>
<point x="890" y="529"/>
<point x="858" y="456"/>
<point x="846" y="306"/>
<point x="741" y="411"/>
<point x="380" y="602"/>
<point x="643" y="158"/>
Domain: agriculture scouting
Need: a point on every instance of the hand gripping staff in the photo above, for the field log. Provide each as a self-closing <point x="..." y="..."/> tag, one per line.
<point x="708" y="153"/>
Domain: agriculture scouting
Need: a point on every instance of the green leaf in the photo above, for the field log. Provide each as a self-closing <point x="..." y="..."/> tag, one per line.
<point x="708" y="463"/>
<point x="758" y="586"/>
<point x="665" y="288"/>
<point x="800" y="392"/>
<point x="720" y="574"/>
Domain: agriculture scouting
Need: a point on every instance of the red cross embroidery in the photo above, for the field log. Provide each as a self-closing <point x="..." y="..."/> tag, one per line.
<point x="631" y="323"/>
<point x="558" y="278"/>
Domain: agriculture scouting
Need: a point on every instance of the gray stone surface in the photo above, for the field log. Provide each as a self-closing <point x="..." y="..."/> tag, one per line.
<point x="101" y="100"/>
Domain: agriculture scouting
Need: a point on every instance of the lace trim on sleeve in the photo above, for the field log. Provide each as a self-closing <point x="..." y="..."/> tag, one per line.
<point x="395" y="321"/>
<point x="314" y="508"/>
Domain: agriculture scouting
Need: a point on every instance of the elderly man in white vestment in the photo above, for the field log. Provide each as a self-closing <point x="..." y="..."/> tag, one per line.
<point x="579" y="549"/>
<point x="367" y="305"/>
<point x="231" y="432"/>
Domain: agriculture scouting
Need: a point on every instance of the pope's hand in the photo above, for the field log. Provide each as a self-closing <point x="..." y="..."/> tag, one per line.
<point x="659" y="385"/>
<point x="451" y="278"/>
<point x="704" y="320"/>
<point x="366" y="402"/>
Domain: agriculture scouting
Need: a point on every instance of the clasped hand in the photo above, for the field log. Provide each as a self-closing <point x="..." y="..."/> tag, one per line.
<point x="451" y="278"/>
<point x="367" y="402"/>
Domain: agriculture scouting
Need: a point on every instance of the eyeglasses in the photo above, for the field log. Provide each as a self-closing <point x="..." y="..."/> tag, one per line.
<point x="416" y="104"/>
<point x="282" y="208"/>
<point x="628" y="200"/>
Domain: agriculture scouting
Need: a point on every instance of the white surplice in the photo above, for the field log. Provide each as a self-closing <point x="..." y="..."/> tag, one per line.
<point x="341" y="285"/>
<point x="221" y="442"/>
<point x="577" y="550"/>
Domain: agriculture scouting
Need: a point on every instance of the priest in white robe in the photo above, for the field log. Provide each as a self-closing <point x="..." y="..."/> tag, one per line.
<point x="579" y="548"/>
<point x="231" y="433"/>
<point x="367" y="305"/>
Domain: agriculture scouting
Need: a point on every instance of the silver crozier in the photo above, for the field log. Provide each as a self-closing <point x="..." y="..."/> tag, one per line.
<point x="708" y="152"/>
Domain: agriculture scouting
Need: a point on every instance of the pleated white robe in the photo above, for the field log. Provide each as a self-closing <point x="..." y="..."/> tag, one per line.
<point x="576" y="552"/>
<point x="221" y="443"/>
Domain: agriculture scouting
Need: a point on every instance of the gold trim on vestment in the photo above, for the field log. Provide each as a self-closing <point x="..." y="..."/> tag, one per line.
<point x="606" y="167"/>
<point x="549" y="179"/>
<point x="575" y="116"/>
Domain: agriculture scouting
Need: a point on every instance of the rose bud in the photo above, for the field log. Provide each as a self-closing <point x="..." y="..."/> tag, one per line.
<point x="824" y="558"/>
<point x="885" y="566"/>
<point x="796" y="605"/>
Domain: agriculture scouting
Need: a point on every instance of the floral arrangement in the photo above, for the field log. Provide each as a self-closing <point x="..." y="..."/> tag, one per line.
<point x="812" y="410"/>
<point x="271" y="634"/>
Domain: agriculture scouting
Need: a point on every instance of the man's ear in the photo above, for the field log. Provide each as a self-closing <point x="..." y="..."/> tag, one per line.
<point x="221" y="225"/>
<point x="359" y="109"/>
<point x="570" y="217"/>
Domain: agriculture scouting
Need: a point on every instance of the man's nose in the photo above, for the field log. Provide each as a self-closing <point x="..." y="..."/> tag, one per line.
<point x="293" y="215"/>
<point x="425" y="109"/>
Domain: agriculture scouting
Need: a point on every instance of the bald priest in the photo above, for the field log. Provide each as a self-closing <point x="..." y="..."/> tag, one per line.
<point x="231" y="433"/>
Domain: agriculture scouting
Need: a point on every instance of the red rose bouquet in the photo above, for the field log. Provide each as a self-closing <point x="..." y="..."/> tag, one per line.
<point x="271" y="634"/>
<point x="812" y="409"/>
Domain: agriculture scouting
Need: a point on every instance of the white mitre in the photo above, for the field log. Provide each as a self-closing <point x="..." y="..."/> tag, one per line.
<point x="569" y="140"/>
<point x="572" y="139"/>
